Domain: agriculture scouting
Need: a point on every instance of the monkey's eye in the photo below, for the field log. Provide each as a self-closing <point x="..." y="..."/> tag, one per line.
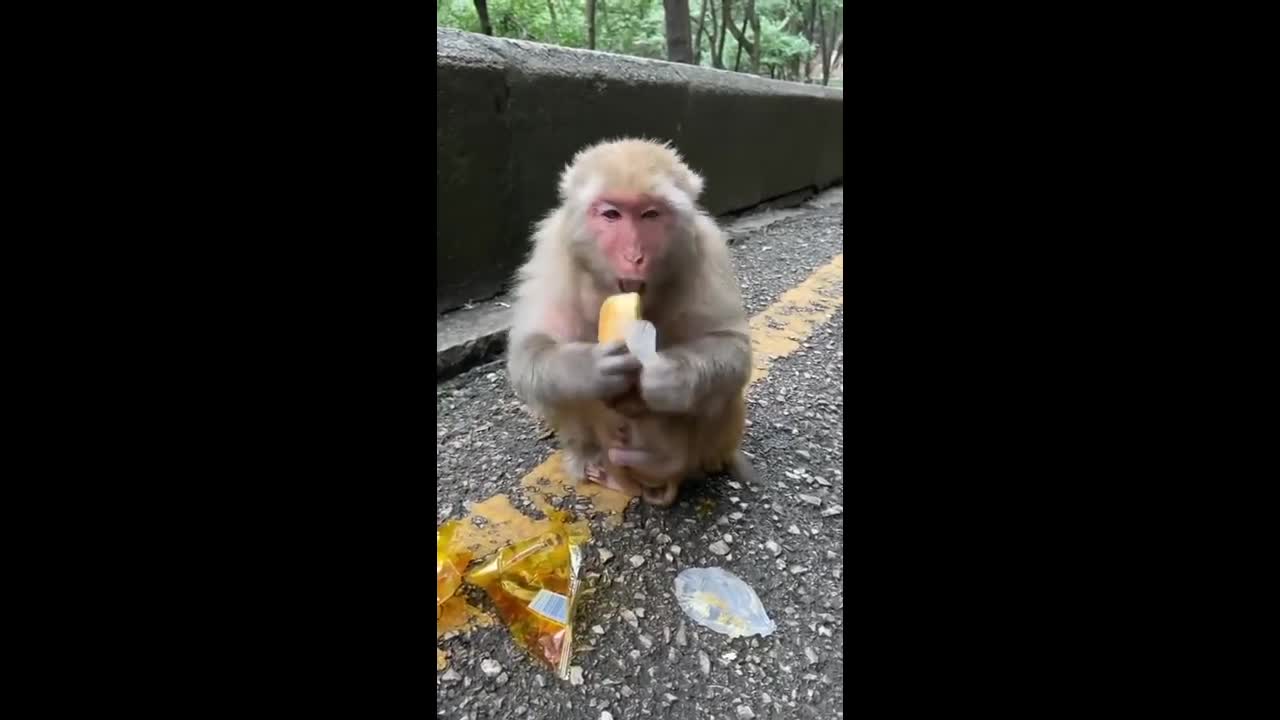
<point x="611" y="214"/>
<point x="649" y="214"/>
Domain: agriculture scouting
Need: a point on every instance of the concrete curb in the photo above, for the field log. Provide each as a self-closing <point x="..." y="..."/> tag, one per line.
<point x="510" y="114"/>
<point x="473" y="336"/>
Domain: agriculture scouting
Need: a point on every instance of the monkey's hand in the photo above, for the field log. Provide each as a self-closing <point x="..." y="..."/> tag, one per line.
<point x="589" y="371"/>
<point x="667" y="384"/>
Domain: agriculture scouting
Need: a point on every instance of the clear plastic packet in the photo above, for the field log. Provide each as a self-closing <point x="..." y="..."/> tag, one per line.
<point x="534" y="585"/>
<point x="717" y="599"/>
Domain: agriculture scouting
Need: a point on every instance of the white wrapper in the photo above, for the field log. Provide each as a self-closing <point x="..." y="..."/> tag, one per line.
<point x="642" y="341"/>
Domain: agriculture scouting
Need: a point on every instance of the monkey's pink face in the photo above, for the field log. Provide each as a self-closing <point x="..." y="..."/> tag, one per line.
<point x="633" y="233"/>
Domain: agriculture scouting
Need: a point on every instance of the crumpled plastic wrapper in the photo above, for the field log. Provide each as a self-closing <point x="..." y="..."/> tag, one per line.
<point x="451" y="561"/>
<point x="534" y="586"/>
<point x="717" y="599"/>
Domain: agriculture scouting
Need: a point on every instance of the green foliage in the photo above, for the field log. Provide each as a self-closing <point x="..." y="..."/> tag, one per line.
<point x="636" y="27"/>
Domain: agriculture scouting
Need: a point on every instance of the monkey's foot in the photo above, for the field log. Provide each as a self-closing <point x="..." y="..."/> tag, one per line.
<point x="664" y="496"/>
<point x="600" y="476"/>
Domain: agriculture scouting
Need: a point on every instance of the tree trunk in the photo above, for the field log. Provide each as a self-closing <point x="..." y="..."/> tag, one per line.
<point x="591" y="24"/>
<point x="482" y="9"/>
<point x="726" y="22"/>
<point x="826" y="48"/>
<point x="755" y="36"/>
<point x="808" y="35"/>
<point x="679" y="45"/>
<point x="822" y="46"/>
<point x="555" y="24"/>
<point x="741" y="35"/>
<point x="697" y="36"/>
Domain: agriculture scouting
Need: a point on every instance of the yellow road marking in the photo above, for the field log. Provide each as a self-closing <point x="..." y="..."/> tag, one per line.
<point x="780" y="328"/>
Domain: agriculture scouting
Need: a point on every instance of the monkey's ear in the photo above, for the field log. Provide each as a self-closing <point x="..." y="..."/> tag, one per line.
<point x="692" y="184"/>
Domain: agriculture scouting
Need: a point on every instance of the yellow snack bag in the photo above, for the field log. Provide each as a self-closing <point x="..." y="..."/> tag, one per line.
<point x="450" y="562"/>
<point x="534" y="585"/>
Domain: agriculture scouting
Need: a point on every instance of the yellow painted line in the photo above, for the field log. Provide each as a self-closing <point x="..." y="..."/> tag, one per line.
<point x="779" y="330"/>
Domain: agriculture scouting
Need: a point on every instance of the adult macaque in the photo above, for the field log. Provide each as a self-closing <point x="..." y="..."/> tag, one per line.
<point x="628" y="222"/>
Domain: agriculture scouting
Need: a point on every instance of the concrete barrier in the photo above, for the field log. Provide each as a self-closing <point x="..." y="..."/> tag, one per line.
<point x="510" y="114"/>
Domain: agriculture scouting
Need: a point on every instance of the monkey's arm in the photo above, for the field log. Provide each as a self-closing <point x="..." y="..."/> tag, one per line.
<point x="550" y="374"/>
<point x="692" y="374"/>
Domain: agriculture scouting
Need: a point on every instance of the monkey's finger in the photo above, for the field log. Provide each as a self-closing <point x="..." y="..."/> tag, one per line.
<point x="613" y="347"/>
<point x="613" y="387"/>
<point x="619" y="365"/>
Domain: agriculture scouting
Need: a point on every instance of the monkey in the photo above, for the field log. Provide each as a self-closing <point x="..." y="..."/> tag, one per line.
<point x="628" y="221"/>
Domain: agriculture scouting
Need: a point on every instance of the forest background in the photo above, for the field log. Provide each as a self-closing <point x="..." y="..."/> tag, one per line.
<point x="796" y="40"/>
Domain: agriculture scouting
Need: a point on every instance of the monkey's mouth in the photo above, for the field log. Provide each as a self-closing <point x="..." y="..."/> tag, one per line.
<point x="631" y="286"/>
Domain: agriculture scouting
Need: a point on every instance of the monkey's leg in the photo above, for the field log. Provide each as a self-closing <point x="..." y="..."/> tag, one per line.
<point x="600" y="475"/>
<point x="584" y="461"/>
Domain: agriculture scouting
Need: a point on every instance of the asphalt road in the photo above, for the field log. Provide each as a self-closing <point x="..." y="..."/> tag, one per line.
<point x="639" y="655"/>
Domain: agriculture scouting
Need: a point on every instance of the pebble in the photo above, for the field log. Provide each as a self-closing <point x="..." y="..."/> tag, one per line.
<point x="728" y="538"/>
<point x="503" y="678"/>
<point x="575" y="675"/>
<point x="636" y="561"/>
<point x="824" y="631"/>
<point x="681" y="640"/>
<point x="490" y="667"/>
<point x="736" y="516"/>
<point x="793" y="530"/>
<point x="627" y="691"/>
<point x="605" y="555"/>
<point x="811" y="499"/>
<point x="704" y="662"/>
<point x="813" y="656"/>
<point x="766" y="698"/>
<point x="773" y="547"/>
<point x="605" y="715"/>
<point x="541" y="682"/>
<point x="630" y="617"/>
<point x="634" y="654"/>
<point x="723" y="520"/>
<point x="451" y="676"/>
<point x="745" y="712"/>
<point x="797" y="569"/>
<point x="669" y="697"/>
<point x="664" y="538"/>
<point x="646" y="641"/>
<point x="675" y="549"/>
<point x="597" y="629"/>
<point x="833" y="511"/>
<point x="804" y="454"/>
<point x="719" y="548"/>
<point x="831" y="555"/>
<point x="639" y="612"/>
